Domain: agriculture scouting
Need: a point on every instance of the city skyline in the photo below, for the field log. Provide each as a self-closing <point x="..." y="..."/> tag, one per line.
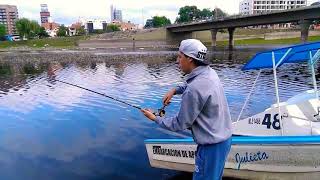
<point x="131" y="11"/>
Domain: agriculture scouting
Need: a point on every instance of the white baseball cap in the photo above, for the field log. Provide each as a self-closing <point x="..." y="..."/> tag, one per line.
<point x="194" y="49"/>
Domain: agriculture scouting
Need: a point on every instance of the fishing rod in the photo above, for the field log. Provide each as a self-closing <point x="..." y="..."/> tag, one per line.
<point x="161" y="112"/>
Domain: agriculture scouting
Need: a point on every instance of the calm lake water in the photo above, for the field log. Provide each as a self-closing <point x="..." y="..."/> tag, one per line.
<point x="50" y="130"/>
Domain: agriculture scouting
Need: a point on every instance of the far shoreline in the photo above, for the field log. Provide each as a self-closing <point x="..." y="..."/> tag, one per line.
<point x="156" y="39"/>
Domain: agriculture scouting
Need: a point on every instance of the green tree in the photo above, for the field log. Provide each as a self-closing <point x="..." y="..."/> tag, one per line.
<point x="3" y="30"/>
<point x="23" y="27"/>
<point x="62" y="31"/>
<point x="112" y="28"/>
<point x="191" y="13"/>
<point x="81" y="31"/>
<point x="34" y="29"/>
<point x="43" y="33"/>
<point x="187" y="14"/>
<point x="28" y="29"/>
<point x="218" y="13"/>
<point x="206" y="13"/>
<point x="160" y="21"/>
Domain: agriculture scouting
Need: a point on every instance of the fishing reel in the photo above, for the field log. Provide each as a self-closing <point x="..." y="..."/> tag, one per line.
<point x="161" y="112"/>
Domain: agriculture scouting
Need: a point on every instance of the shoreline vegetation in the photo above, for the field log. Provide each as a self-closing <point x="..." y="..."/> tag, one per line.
<point x="58" y="42"/>
<point x="120" y="39"/>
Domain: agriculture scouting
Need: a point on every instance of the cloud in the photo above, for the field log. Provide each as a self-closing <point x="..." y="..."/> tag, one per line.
<point x="68" y="11"/>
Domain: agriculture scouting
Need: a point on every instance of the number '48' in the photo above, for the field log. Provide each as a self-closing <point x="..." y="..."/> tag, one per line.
<point x="268" y="122"/>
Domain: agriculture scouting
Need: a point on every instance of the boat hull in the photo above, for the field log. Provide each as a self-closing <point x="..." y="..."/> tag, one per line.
<point x="278" y="157"/>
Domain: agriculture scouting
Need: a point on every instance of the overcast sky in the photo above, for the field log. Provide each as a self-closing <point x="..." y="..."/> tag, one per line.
<point x="69" y="11"/>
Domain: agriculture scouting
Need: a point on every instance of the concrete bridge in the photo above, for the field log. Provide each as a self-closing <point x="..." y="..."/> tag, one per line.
<point x="303" y="16"/>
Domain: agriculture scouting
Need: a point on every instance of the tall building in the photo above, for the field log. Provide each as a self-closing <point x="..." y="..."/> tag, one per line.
<point x="248" y="7"/>
<point x="116" y="15"/>
<point x="44" y="13"/>
<point x="8" y="17"/>
<point x="111" y="13"/>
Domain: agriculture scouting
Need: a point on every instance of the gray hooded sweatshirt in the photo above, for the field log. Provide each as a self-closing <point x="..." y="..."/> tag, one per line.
<point x="204" y="108"/>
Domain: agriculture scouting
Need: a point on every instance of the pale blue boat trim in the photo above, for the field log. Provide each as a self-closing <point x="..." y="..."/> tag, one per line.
<point x="251" y="140"/>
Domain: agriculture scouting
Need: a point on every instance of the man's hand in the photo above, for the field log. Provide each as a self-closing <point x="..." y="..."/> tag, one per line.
<point x="149" y="114"/>
<point x="167" y="97"/>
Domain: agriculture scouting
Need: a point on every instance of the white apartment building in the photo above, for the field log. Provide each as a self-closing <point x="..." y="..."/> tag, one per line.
<point x="95" y="24"/>
<point x="248" y="7"/>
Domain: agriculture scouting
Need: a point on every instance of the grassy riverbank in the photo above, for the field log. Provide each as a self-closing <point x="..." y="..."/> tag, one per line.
<point x="145" y="38"/>
<point x="59" y="42"/>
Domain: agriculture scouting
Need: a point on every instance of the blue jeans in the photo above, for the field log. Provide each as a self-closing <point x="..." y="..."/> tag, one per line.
<point x="210" y="160"/>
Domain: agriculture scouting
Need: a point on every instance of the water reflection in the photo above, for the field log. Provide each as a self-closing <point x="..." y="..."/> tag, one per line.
<point x="51" y="130"/>
<point x="5" y="69"/>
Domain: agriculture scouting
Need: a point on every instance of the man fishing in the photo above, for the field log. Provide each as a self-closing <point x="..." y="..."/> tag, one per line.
<point x="204" y="109"/>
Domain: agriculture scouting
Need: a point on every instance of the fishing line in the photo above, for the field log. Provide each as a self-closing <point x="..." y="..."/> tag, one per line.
<point x="118" y="100"/>
<point x="161" y="112"/>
